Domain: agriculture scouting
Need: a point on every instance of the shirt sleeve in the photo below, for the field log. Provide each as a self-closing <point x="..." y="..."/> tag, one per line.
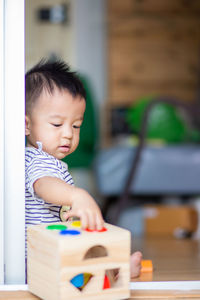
<point x="41" y="166"/>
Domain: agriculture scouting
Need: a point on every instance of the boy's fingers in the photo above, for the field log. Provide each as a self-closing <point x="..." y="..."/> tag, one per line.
<point x="84" y="220"/>
<point x="91" y="220"/>
<point x="79" y="214"/>
<point x="88" y="220"/>
<point x="68" y="215"/>
<point x="99" y="222"/>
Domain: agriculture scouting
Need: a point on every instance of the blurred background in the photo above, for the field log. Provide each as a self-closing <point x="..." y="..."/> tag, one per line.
<point x="139" y="60"/>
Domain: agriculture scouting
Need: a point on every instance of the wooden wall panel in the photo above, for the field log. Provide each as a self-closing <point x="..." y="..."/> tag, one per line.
<point x="156" y="29"/>
<point x="126" y="7"/>
<point x="124" y="94"/>
<point x="154" y="64"/>
<point x="153" y="48"/>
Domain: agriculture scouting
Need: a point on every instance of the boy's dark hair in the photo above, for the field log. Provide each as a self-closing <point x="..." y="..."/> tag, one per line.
<point x="48" y="75"/>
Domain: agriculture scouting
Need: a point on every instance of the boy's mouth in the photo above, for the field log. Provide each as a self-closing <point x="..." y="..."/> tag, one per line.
<point x="64" y="148"/>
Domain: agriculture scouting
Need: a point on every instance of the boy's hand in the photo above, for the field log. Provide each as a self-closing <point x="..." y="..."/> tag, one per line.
<point x="56" y="191"/>
<point x="84" y="207"/>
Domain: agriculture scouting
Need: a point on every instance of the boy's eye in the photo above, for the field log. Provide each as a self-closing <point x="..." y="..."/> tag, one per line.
<point x="56" y="125"/>
<point x="76" y="127"/>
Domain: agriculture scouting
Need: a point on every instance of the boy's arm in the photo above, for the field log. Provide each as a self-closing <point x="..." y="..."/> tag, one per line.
<point x="58" y="192"/>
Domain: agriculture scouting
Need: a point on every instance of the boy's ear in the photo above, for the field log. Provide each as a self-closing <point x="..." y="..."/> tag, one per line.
<point x="27" y="125"/>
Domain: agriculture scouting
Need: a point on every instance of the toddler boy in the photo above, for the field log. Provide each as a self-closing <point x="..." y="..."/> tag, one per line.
<point x="55" y="106"/>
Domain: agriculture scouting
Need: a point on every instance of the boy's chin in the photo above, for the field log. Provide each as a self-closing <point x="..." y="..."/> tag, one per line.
<point x="61" y="155"/>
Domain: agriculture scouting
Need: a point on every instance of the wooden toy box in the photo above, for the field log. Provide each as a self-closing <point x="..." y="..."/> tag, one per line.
<point x="65" y="262"/>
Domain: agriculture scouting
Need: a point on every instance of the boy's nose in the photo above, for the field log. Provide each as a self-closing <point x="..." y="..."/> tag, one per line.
<point x="67" y="132"/>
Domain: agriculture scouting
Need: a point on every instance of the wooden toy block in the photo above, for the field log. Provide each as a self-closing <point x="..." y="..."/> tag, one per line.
<point x="147" y="266"/>
<point x="67" y="263"/>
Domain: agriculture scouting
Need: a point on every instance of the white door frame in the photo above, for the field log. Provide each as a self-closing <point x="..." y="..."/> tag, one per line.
<point x="1" y="141"/>
<point x="13" y="118"/>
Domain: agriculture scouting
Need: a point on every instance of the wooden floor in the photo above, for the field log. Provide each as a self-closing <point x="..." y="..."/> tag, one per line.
<point x="173" y="260"/>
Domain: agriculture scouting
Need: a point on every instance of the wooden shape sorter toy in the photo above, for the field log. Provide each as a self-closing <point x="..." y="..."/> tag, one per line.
<point x="66" y="262"/>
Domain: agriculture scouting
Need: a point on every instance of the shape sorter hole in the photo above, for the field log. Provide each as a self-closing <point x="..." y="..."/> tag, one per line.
<point x="112" y="278"/>
<point x="76" y="224"/>
<point x="95" y="230"/>
<point x="69" y="232"/>
<point x="56" y="227"/>
<point x="81" y="280"/>
<point x="95" y="252"/>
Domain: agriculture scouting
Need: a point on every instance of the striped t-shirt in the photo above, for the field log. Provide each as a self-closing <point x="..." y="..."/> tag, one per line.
<point x="40" y="164"/>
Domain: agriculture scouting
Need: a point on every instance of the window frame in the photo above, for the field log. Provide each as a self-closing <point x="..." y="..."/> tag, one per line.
<point x="12" y="110"/>
<point x="1" y="141"/>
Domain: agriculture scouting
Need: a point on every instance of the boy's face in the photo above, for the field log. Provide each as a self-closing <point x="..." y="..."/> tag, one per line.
<point x="55" y="121"/>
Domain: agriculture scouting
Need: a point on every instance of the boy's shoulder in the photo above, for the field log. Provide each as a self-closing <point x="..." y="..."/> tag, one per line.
<point x="32" y="153"/>
<point x="37" y="154"/>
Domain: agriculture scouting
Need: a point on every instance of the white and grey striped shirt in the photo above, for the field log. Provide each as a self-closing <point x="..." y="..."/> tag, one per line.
<point x="40" y="164"/>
